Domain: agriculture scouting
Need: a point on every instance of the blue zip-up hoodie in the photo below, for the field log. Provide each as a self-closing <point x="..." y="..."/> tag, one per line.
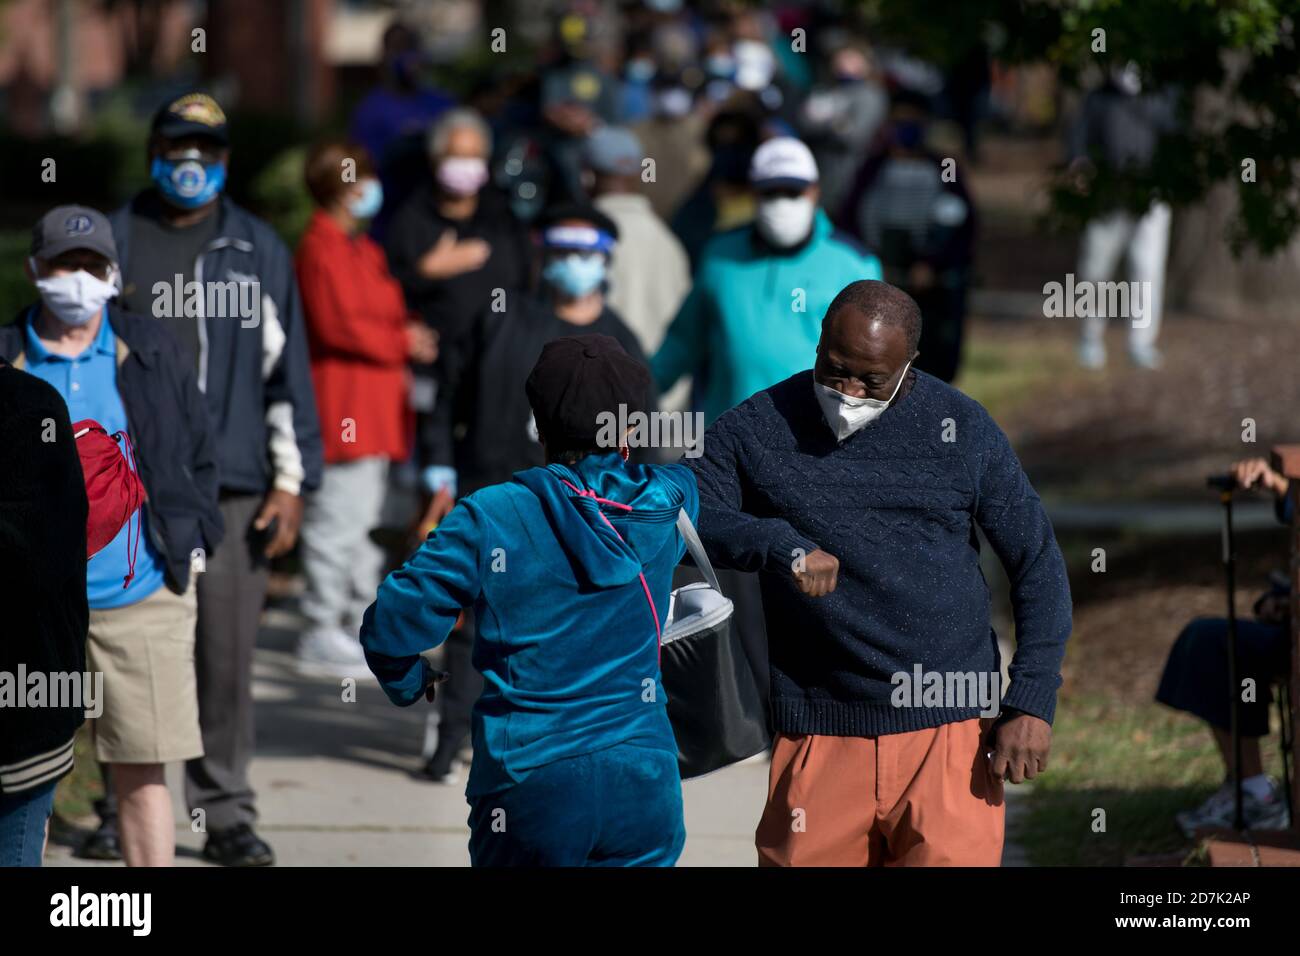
<point x="254" y="375"/>
<point x="566" y="639"/>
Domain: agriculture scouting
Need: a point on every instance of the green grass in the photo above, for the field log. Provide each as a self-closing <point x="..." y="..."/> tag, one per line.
<point x="1140" y="763"/>
<point x="1003" y="372"/>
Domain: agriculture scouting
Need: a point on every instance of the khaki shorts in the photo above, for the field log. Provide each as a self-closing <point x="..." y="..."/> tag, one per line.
<point x="151" y="702"/>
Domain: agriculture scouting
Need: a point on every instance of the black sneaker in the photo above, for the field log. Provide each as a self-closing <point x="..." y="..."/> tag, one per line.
<point x="238" y="846"/>
<point x="103" y="844"/>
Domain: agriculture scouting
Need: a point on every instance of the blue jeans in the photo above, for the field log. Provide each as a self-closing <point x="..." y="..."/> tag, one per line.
<point x="22" y="825"/>
<point x="616" y="807"/>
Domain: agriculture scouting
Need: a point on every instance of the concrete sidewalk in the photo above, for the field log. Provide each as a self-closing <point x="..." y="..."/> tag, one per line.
<point x="335" y="787"/>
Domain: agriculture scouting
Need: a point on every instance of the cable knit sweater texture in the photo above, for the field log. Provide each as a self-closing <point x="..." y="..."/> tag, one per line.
<point x="897" y="503"/>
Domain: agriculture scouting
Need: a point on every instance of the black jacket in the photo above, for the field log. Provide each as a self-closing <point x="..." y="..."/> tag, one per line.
<point x="42" y="574"/>
<point x="450" y="305"/>
<point x="255" y="374"/>
<point x="482" y="424"/>
<point x="171" y="435"/>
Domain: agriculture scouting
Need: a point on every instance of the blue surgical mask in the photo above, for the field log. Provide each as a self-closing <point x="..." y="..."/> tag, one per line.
<point x="576" y="274"/>
<point x="640" y="71"/>
<point x="187" y="183"/>
<point x="366" y="205"/>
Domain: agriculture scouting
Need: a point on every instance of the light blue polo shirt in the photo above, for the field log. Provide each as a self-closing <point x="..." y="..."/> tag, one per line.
<point x="88" y="384"/>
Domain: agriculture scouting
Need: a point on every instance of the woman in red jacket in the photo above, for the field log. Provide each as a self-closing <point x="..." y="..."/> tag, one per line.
<point x="361" y="336"/>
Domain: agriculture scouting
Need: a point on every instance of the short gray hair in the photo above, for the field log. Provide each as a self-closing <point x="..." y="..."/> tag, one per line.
<point x="441" y="130"/>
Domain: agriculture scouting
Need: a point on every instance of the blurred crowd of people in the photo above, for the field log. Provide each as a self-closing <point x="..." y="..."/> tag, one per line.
<point x="698" y="187"/>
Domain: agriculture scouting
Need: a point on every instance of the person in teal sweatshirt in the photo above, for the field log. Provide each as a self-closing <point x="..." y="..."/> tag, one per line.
<point x="568" y="568"/>
<point x="753" y="316"/>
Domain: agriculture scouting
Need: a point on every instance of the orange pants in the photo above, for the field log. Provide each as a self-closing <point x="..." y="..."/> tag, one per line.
<point x="923" y="798"/>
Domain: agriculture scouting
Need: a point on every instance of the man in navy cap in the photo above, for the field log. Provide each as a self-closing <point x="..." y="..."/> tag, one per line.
<point x="223" y="282"/>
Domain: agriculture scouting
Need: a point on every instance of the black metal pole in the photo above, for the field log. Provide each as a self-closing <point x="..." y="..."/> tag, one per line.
<point x="1234" y="724"/>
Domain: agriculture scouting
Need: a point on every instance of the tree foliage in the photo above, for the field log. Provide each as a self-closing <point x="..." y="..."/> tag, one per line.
<point x="1235" y="61"/>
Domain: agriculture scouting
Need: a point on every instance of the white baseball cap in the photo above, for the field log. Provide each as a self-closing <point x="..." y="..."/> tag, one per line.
<point x="782" y="162"/>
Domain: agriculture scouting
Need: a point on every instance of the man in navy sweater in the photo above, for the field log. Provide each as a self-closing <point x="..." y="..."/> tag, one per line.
<point x="854" y="489"/>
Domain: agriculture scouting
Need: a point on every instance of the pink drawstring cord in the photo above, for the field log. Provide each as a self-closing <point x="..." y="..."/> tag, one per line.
<point x="588" y="493"/>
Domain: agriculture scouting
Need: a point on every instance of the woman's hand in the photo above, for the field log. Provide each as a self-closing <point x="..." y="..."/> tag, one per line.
<point x="421" y="343"/>
<point x="1256" y="472"/>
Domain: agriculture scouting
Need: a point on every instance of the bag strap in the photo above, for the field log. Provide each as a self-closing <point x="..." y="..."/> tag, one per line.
<point x="696" y="548"/>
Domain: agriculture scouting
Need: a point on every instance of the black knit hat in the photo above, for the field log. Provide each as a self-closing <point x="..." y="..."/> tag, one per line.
<point x="577" y="384"/>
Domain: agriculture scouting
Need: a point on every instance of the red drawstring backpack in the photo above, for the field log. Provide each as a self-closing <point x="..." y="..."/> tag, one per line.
<point x="113" y="489"/>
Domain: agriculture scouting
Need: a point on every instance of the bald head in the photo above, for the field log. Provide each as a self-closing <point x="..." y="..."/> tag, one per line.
<point x="881" y="301"/>
<point x="869" y="335"/>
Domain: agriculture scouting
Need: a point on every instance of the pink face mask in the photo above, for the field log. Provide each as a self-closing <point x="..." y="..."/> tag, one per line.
<point x="462" y="175"/>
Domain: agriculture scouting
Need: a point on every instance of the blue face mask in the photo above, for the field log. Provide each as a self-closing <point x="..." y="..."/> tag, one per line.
<point x="576" y="274"/>
<point x="187" y="183"/>
<point x="366" y="205"/>
<point x="640" y="71"/>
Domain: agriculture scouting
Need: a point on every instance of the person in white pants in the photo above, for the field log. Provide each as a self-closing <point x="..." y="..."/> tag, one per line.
<point x="1120" y="125"/>
<point x="1143" y="242"/>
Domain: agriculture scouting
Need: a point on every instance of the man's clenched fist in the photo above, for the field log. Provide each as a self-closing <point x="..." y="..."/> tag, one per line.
<point x="818" y="573"/>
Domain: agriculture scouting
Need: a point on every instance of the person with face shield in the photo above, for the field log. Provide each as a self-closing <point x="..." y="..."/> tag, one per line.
<point x="482" y="430"/>
<point x="223" y="284"/>
<point x="856" y="487"/>
<point x="362" y="335"/>
<point x="127" y="374"/>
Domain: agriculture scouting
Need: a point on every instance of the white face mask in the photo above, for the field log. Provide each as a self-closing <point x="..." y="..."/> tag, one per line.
<point x="77" y="297"/>
<point x="846" y="414"/>
<point x="786" y="221"/>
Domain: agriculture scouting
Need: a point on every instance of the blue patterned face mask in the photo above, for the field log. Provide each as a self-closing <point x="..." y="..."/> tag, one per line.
<point x="187" y="183"/>
<point x="576" y="274"/>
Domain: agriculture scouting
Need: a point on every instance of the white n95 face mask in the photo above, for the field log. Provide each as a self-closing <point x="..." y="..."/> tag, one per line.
<point x="846" y="414"/>
<point x="77" y="297"/>
<point x="786" y="221"/>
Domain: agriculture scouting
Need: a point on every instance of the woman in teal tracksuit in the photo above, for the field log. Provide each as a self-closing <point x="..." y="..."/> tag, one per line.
<point x="568" y="568"/>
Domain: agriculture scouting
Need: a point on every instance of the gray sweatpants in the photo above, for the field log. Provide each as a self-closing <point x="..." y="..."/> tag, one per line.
<point x="342" y="565"/>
